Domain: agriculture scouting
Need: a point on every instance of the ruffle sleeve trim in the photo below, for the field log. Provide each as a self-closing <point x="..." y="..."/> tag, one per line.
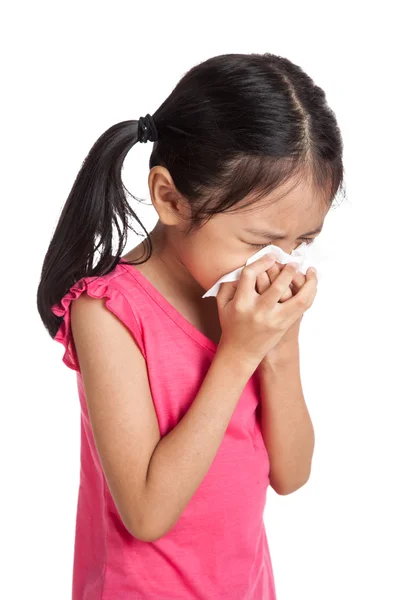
<point x="116" y="302"/>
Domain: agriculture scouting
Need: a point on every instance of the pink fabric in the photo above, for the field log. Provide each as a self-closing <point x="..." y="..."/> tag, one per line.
<point x="218" y="548"/>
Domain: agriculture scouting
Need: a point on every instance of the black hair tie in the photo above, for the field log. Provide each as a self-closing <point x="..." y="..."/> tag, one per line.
<point x="147" y="130"/>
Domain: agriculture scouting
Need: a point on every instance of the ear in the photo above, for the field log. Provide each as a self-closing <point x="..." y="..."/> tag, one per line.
<point x="170" y="205"/>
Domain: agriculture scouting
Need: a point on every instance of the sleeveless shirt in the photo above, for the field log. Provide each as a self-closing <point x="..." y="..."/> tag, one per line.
<point x="218" y="548"/>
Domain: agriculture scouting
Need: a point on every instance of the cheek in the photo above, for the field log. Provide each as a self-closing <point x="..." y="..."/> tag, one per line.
<point x="214" y="262"/>
<point x="207" y="270"/>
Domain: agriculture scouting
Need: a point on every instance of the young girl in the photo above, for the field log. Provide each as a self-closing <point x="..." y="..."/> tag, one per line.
<point x="188" y="403"/>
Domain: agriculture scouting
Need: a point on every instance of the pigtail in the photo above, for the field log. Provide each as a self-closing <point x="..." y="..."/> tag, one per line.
<point x="96" y="203"/>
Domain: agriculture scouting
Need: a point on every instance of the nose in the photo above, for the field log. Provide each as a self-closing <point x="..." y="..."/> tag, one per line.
<point x="288" y="250"/>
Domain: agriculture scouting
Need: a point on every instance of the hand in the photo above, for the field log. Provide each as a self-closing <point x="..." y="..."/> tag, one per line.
<point x="288" y="344"/>
<point x="252" y="324"/>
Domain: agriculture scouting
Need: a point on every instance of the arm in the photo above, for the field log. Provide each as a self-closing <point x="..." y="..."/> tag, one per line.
<point x="150" y="478"/>
<point x="183" y="456"/>
<point x="286" y="425"/>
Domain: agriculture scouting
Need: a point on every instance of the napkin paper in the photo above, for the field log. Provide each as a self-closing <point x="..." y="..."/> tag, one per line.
<point x="300" y="256"/>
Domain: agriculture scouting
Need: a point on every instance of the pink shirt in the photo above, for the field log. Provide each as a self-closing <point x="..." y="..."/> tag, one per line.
<point x="218" y="548"/>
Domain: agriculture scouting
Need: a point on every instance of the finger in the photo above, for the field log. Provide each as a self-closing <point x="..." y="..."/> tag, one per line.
<point x="302" y="301"/>
<point x="226" y="292"/>
<point x="286" y="294"/>
<point x="298" y="282"/>
<point x="265" y="279"/>
<point x="272" y="295"/>
<point x="310" y="272"/>
<point x="249" y="274"/>
<point x="263" y="282"/>
<point x="273" y="273"/>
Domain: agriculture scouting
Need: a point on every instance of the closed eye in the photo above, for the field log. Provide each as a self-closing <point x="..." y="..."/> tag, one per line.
<point x="307" y="240"/>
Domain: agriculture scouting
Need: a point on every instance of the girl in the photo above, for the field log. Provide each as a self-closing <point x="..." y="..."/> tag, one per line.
<point x="188" y="403"/>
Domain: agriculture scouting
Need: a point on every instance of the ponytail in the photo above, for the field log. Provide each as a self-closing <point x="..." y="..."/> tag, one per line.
<point x="97" y="201"/>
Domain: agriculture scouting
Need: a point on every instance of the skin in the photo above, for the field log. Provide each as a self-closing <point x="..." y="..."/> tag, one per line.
<point x="194" y="263"/>
<point x="191" y="265"/>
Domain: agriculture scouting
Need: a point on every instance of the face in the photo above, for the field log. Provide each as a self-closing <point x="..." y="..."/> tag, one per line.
<point x="226" y="242"/>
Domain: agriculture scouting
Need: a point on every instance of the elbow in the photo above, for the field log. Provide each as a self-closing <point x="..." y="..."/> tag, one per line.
<point x="142" y="532"/>
<point x="147" y="531"/>
<point x="143" y="535"/>
<point x="147" y="535"/>
<point x="286" y="488"/>
<point x="152" y="520"/>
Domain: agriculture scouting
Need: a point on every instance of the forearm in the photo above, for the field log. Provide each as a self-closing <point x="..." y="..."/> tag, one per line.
<point x="183" y="457"/>
<point x="286" y="424"/>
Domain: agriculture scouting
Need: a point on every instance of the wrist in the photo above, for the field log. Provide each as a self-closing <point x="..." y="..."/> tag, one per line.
<point x="281" y="357"/>
<point x="243" y="363"/>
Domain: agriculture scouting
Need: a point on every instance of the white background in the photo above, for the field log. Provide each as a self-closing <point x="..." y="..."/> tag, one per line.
<point x="70" y="71"/>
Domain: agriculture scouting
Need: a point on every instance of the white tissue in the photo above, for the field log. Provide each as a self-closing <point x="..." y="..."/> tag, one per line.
<point x="300" y="256"/>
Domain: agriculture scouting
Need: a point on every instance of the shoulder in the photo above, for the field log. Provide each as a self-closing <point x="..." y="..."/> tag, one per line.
<point x="86" y="304"/>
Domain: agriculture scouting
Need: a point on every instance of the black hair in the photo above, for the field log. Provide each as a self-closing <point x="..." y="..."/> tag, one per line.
<point x="236" y="126"/>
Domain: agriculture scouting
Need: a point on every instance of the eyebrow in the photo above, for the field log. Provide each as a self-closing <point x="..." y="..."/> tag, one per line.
<point x="277" y="235"/>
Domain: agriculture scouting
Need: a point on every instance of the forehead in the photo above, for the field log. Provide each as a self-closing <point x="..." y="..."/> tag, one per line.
<point x="288" y="208"/>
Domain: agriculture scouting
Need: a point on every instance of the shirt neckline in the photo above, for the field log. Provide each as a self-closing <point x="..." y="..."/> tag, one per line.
<point x="171" y="311"/>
